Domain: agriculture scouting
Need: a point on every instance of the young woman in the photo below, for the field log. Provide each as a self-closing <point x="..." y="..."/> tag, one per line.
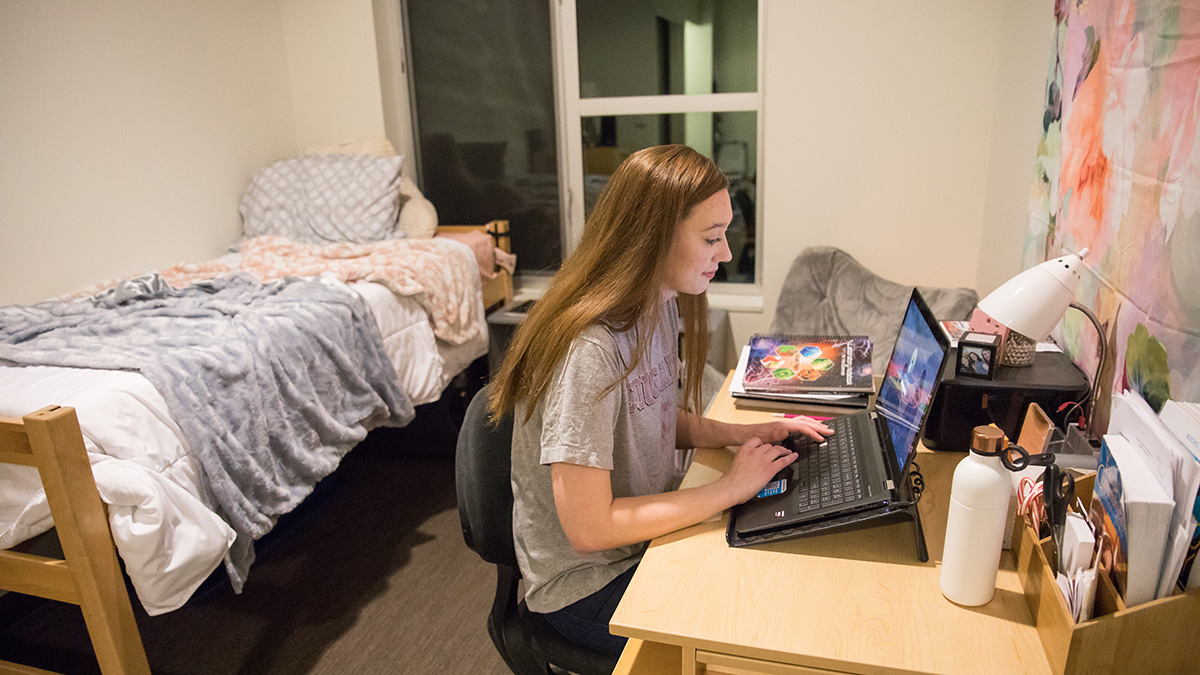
<point x="591" y="378"/>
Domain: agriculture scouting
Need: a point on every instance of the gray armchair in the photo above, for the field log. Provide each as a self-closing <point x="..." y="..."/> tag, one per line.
<point x="828" y="292"/>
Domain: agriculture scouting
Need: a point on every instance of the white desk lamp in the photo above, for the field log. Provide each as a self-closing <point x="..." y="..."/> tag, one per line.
<point x="1032" y="303"/>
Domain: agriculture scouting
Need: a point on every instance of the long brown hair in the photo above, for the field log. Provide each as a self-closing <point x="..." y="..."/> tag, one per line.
<point x="616" y="276"/>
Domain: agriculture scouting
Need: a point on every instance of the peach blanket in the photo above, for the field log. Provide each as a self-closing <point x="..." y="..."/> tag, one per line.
<point x="440" y="274"/>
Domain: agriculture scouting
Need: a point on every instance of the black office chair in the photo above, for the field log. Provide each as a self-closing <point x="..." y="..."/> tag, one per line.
<point x="481" y="475"/>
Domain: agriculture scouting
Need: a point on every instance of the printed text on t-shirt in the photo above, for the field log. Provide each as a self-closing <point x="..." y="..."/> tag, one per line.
<point x="645" y="387"/>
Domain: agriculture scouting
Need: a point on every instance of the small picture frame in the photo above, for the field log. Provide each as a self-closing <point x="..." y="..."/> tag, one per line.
<point x="977" y="355"/>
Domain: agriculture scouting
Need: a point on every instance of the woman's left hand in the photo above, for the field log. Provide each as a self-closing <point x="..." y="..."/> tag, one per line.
<point x="777" y="430"/>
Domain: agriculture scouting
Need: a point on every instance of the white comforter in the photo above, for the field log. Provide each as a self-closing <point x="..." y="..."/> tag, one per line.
<point x="166" y="534"/>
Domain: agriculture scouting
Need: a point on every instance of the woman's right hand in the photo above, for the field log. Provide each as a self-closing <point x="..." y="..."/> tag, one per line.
<point x="753" y="466"/>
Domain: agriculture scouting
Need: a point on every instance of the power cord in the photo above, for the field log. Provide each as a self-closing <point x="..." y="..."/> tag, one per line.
<point x="916" y="484"/>
<point x="1072" y="406"/>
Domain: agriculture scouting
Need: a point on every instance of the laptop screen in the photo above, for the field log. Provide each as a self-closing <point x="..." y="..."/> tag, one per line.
<point x="911" y="378"/>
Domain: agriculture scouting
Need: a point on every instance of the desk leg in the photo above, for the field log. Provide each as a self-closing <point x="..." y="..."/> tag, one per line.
<point x="689" y="661"/>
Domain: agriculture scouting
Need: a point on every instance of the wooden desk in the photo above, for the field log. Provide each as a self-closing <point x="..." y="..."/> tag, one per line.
<point x="857" y="602"/>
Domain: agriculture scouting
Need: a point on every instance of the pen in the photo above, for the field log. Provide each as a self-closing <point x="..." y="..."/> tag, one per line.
<point x="815" y="417"/>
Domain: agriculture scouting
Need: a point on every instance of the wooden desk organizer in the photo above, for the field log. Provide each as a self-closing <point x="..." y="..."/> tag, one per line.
<point x="1154" y="637"/>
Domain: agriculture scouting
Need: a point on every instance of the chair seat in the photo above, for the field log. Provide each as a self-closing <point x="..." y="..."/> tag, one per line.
<point x="554" y="648"/>
<point x="526" y="641"/>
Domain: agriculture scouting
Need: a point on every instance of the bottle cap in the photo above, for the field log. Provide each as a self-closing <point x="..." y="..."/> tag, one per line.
<point x="986" y="440"/>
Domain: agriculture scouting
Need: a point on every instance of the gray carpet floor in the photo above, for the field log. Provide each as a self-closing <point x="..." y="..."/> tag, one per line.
<point x="369" y="575"/>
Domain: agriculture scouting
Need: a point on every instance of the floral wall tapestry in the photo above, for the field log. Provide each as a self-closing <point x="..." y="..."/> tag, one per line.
<point x="1119" y="173"/>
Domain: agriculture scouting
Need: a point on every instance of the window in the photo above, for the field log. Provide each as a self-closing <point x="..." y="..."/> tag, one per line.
<point x="523" y="108"/>
<point x="634" y="74"/>
<point x="483" y="91"/>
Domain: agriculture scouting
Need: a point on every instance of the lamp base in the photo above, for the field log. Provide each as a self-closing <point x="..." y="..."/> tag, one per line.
<point x="1018" y="350"/>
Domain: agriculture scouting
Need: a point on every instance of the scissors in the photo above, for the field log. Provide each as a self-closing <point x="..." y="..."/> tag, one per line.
<point x="1058" y="491"/>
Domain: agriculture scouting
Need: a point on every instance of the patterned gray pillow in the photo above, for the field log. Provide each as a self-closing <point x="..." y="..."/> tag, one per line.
<point x="319" y="199"/>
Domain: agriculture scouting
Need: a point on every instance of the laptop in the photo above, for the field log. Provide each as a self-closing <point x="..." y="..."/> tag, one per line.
<point x="862" y="469"/>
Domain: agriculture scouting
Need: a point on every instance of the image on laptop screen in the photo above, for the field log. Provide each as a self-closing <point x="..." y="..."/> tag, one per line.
<point x="909" y="382"/>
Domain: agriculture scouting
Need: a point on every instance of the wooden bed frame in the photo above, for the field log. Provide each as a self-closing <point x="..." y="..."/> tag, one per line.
<point x="499" y="290"/>
<point x="90" y="575"/>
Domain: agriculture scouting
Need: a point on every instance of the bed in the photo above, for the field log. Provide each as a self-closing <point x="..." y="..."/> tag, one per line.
<point x="211" y="397"/>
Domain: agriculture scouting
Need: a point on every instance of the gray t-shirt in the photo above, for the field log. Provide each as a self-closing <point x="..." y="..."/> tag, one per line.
<point x="629" y="432"/>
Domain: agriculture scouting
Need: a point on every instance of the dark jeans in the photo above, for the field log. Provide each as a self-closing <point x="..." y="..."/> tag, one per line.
<point x="586" y="621"/>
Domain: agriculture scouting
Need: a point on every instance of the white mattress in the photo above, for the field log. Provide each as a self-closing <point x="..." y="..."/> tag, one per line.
<point x="424" y="364"/>
<point x="167" y="536"/>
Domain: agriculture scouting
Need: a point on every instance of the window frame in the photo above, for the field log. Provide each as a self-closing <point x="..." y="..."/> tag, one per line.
<point x="570" y="109"/>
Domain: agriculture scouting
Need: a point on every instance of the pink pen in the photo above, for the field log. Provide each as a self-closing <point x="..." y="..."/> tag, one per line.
<point x="815" y="417"/>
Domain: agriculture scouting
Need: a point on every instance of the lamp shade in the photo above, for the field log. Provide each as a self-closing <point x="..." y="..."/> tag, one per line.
<point x="1033" y="302"/>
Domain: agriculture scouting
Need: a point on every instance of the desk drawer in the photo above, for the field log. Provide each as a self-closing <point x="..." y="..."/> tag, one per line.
<point x="649" y="658"/>
<point x="711" y="663"/>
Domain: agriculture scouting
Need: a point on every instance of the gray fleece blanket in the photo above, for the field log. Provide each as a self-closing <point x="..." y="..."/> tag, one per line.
<point x="270" y="384"/>
<point x="828" y="292"/>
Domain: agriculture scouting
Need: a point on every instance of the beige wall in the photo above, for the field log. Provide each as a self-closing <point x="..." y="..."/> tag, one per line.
<point x="333" y="70"/>
<point x="393" y="79"/>
<point x="129" y="130"/>
<point x="902" y="133"/>
<point x="1026" y="30"/>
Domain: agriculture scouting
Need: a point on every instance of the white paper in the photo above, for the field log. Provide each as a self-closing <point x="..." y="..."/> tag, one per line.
<point x="1128" y="420"/>
<point x="735" y="385"/>
<point x="1173" y="466"/>
<point x="1078" y="542"/>
<point x="1177" y="546"/>
<point x="1079" y="590"/>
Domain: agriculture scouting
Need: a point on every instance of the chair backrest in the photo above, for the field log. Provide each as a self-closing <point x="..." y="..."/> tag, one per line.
<point x="50" y="439"/>
<point x="482" y="481"/>
<point x="828" y="292"/>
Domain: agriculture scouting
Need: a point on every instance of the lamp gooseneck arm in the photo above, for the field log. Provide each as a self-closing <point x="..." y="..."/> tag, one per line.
<point x="1094" y="392"/>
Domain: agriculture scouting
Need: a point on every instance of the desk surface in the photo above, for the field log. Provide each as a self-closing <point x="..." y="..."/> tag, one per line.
<point x="855" y="601"/>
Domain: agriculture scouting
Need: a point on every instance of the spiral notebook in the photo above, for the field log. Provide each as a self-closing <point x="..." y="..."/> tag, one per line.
<point x="863" y="465"/>
<point x="790" y="403"/>
<point x="808" y="364"/>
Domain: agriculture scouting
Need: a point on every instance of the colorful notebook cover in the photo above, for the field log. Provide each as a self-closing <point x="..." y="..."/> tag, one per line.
<point x="809" y="364"/>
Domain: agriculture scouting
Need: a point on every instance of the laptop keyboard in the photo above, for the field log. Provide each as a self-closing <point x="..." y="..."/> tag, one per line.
<point x="827" y="472"/>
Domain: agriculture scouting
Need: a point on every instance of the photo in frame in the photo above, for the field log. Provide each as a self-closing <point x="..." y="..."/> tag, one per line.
<point x="977" y="355"/>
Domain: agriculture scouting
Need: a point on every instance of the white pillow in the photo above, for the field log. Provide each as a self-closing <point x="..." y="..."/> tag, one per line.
<point x="319" y="199"/>
<point x="409" y="189"/>
<point x="418" y="218"/>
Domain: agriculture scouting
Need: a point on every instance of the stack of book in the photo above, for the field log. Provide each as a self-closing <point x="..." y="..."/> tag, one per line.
<point x="1146" y="497"/>
<point x="804" y="373"/>
<point x="1183" y="420"/>
<point x="954" y="330"/>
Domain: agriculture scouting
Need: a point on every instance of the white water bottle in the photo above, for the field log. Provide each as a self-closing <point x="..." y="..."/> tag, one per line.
<point x="975" y="528"/>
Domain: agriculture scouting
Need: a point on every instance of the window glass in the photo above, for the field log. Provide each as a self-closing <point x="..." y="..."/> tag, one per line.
<point x="638" y="48"/>
<point x="728" y="137"/>
<point x="483" y="86"/>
